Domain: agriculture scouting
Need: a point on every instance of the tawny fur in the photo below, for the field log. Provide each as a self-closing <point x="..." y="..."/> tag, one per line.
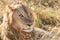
<point x="21" y="23"/>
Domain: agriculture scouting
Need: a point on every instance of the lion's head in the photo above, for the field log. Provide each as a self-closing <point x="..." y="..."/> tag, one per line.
<point x="22" y="16"/>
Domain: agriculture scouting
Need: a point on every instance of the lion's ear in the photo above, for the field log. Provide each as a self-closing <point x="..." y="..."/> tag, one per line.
<point x="11" y="8"/>
<point x="15" y="6"/>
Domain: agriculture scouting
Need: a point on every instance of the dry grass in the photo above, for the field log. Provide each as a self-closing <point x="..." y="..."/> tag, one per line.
<point x="46" y="18"/>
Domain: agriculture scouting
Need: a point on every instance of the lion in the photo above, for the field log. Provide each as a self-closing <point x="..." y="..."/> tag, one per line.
<point x="18" y="24"/>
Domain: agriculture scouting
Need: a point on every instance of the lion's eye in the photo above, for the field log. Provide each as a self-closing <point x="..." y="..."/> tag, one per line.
<point x="21" y="15"/>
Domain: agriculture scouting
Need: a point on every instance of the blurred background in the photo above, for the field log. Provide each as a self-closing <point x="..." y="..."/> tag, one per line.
<point x="46" y="13"/>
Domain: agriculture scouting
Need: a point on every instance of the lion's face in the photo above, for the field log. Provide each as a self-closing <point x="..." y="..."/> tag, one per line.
<point x="23" y="16"/>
